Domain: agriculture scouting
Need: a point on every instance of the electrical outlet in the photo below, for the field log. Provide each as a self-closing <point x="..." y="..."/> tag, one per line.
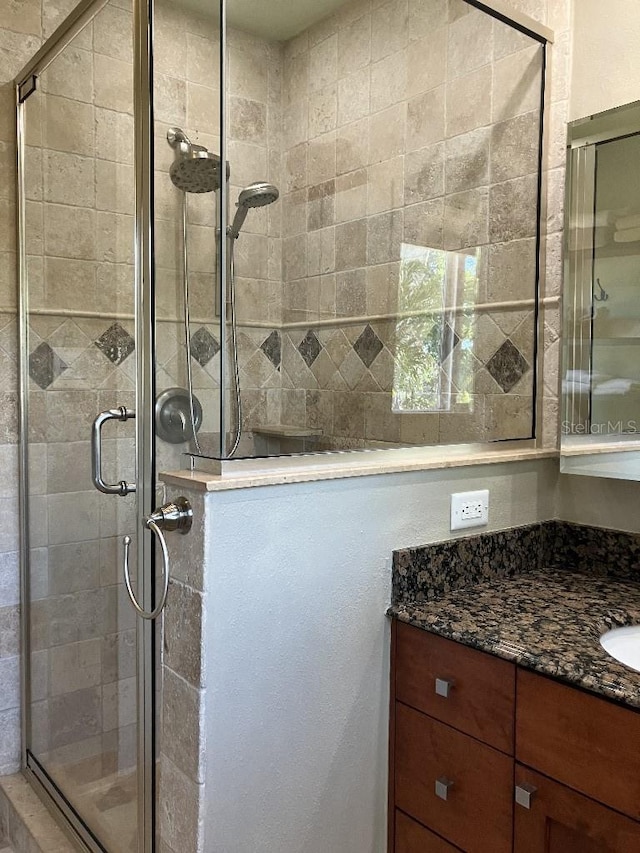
<point x="470" y="509"/>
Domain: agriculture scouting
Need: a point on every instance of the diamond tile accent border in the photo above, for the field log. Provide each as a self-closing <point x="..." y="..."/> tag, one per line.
<point x="272" y="348"/>
<point x="204" y="346"/>
<point x="507" y="366"/>
<point x="45" y="365"/>
<point x="309" y="347"/>
<point x="448" y="342"/>
<point x="368" y="346"/>
<point x="116" y="343"/>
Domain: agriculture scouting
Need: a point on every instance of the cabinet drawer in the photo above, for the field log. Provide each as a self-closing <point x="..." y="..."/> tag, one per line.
<point x="413" y="838"/>
<point x="559" y="820"/>
<point x="477" y="813"/>
<point x="481" y="696"/>
<point x="589" y="744"/>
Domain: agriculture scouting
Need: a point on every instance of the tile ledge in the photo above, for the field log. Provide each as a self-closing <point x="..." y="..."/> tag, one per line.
<point x="276" y="472"/>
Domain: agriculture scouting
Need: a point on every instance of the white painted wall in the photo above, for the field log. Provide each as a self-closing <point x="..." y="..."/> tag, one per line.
<point x="600" y="502"/>
<point x="606" y="56"/>
<point x="298" y="580"/>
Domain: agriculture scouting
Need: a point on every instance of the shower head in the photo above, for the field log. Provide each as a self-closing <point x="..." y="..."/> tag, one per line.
<point x="259" y="194"/>
<point x="195" y="169"/>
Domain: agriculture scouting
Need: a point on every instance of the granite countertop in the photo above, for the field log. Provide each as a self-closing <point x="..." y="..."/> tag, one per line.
<point x="546" y="619"/>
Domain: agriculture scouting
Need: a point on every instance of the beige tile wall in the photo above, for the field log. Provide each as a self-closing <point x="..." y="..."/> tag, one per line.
<point x="182" y="97"/>
<point x="402" y="131"/>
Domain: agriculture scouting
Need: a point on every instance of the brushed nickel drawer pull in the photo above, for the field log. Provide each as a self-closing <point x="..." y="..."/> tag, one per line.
<point x="444" y="687"/>
<point x="525" y="794"/>
<point x="443" y="786"/>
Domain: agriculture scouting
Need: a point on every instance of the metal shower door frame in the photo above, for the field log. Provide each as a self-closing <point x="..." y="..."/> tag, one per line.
<point x="25" y="84"/>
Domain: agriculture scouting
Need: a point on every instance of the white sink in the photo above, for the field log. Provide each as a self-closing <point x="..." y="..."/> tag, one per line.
<point x="623" y="644"/>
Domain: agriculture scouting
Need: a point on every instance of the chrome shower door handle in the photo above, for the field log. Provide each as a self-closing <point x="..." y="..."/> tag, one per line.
<point x="176" y="515"/>
<point x="122" y="488"/>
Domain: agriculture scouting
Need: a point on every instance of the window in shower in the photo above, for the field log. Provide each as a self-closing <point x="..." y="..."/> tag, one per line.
<point x="381" y="191"/>
<point x="434" y="364"/>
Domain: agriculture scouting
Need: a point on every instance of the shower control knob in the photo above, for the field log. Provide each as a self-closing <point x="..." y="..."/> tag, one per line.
<point x="175" y="515"/>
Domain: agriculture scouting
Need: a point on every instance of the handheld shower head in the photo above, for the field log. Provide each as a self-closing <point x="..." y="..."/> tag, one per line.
<point x="259" y="194"/>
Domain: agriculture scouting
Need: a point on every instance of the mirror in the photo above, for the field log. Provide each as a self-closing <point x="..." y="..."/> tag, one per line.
<point x="600" y="434"/>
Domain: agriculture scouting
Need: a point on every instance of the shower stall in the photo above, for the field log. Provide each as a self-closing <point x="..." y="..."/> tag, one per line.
<point x="244" y="234"/>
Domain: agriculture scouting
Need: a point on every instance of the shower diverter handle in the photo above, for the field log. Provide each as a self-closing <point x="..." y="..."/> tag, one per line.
<point x="175" y="515"/>
<point x="122" y="488"/>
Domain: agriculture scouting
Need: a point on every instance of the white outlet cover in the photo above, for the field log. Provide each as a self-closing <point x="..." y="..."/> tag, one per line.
<point x="470" y="509"/>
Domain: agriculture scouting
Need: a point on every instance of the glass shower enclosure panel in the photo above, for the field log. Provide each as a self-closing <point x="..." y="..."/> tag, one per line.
<point x="188" y="191"/>
<point x="82" y="705"/>
<point x="384" y="165"/>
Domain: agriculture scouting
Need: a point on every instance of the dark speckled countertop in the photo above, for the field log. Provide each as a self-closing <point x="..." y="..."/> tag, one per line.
<point x="546" y="619"/>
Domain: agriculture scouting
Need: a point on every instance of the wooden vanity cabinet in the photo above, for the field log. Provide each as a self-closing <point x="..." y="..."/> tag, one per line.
<point x="560" y="820"/>
<point x="486" y="757"/>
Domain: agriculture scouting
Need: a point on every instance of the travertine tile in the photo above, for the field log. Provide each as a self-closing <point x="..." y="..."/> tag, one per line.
<point x="388" y="81"/>
<point x="426" y="61"/>
<point x="170" y="102"/>
<point x="425" y="16"/>
<point x="68" y="179"/>
<point x="353" y="96"/>
<point x="69" y="232"/>
<point x="354" y="45"/>
<point x="351" y="244"/>
<point x="113" y="84"/>
<point x="384" y="237"/>
<point x="469" y="101"/>
<point x="183" y="638"/>
<point x="512" y="269"/>
<point x="323" y="111"/>
<point x="426" y="119"/>
<point x="9" y="579"/>
<point x="113" y="33"/>
<point x="113" y="136"/>
<point x="352" y="146"/>
<point x="424" y="173"/>
<point x="512" y="213"/>
<point x="470" y="43"/>
<point x="119" y="704"/>
<point x="517" y="81"/>
<point x="9" y="741"/>
<point x="321" y="159"/>
<point x="15" y="51"/>
<point x="466" y="219"/>
<point x="75" y="666"/>
<point x="75" y="716"/>
<point x="323" y="64"/>
<point x="515" y="147"/>
<point x="351" y="196"/>
<point x="385" y="186"/>
<point x="389" y="28"/>
<point x="248" y="119"/>
<point x="9" y="682"/>
<point x="182" y="736"/>
<point x="247" y="61"/>
<point x="424" y="224"/>
<point x="467" y="160"/>
<point x="114" y="187"/>
<point x="180" y="807"/>
<point x="114" y="240"/>
<point x="68" y="125"/>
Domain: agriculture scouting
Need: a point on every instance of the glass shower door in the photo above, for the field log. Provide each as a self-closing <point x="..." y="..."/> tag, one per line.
<point x="89" y="661"/>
